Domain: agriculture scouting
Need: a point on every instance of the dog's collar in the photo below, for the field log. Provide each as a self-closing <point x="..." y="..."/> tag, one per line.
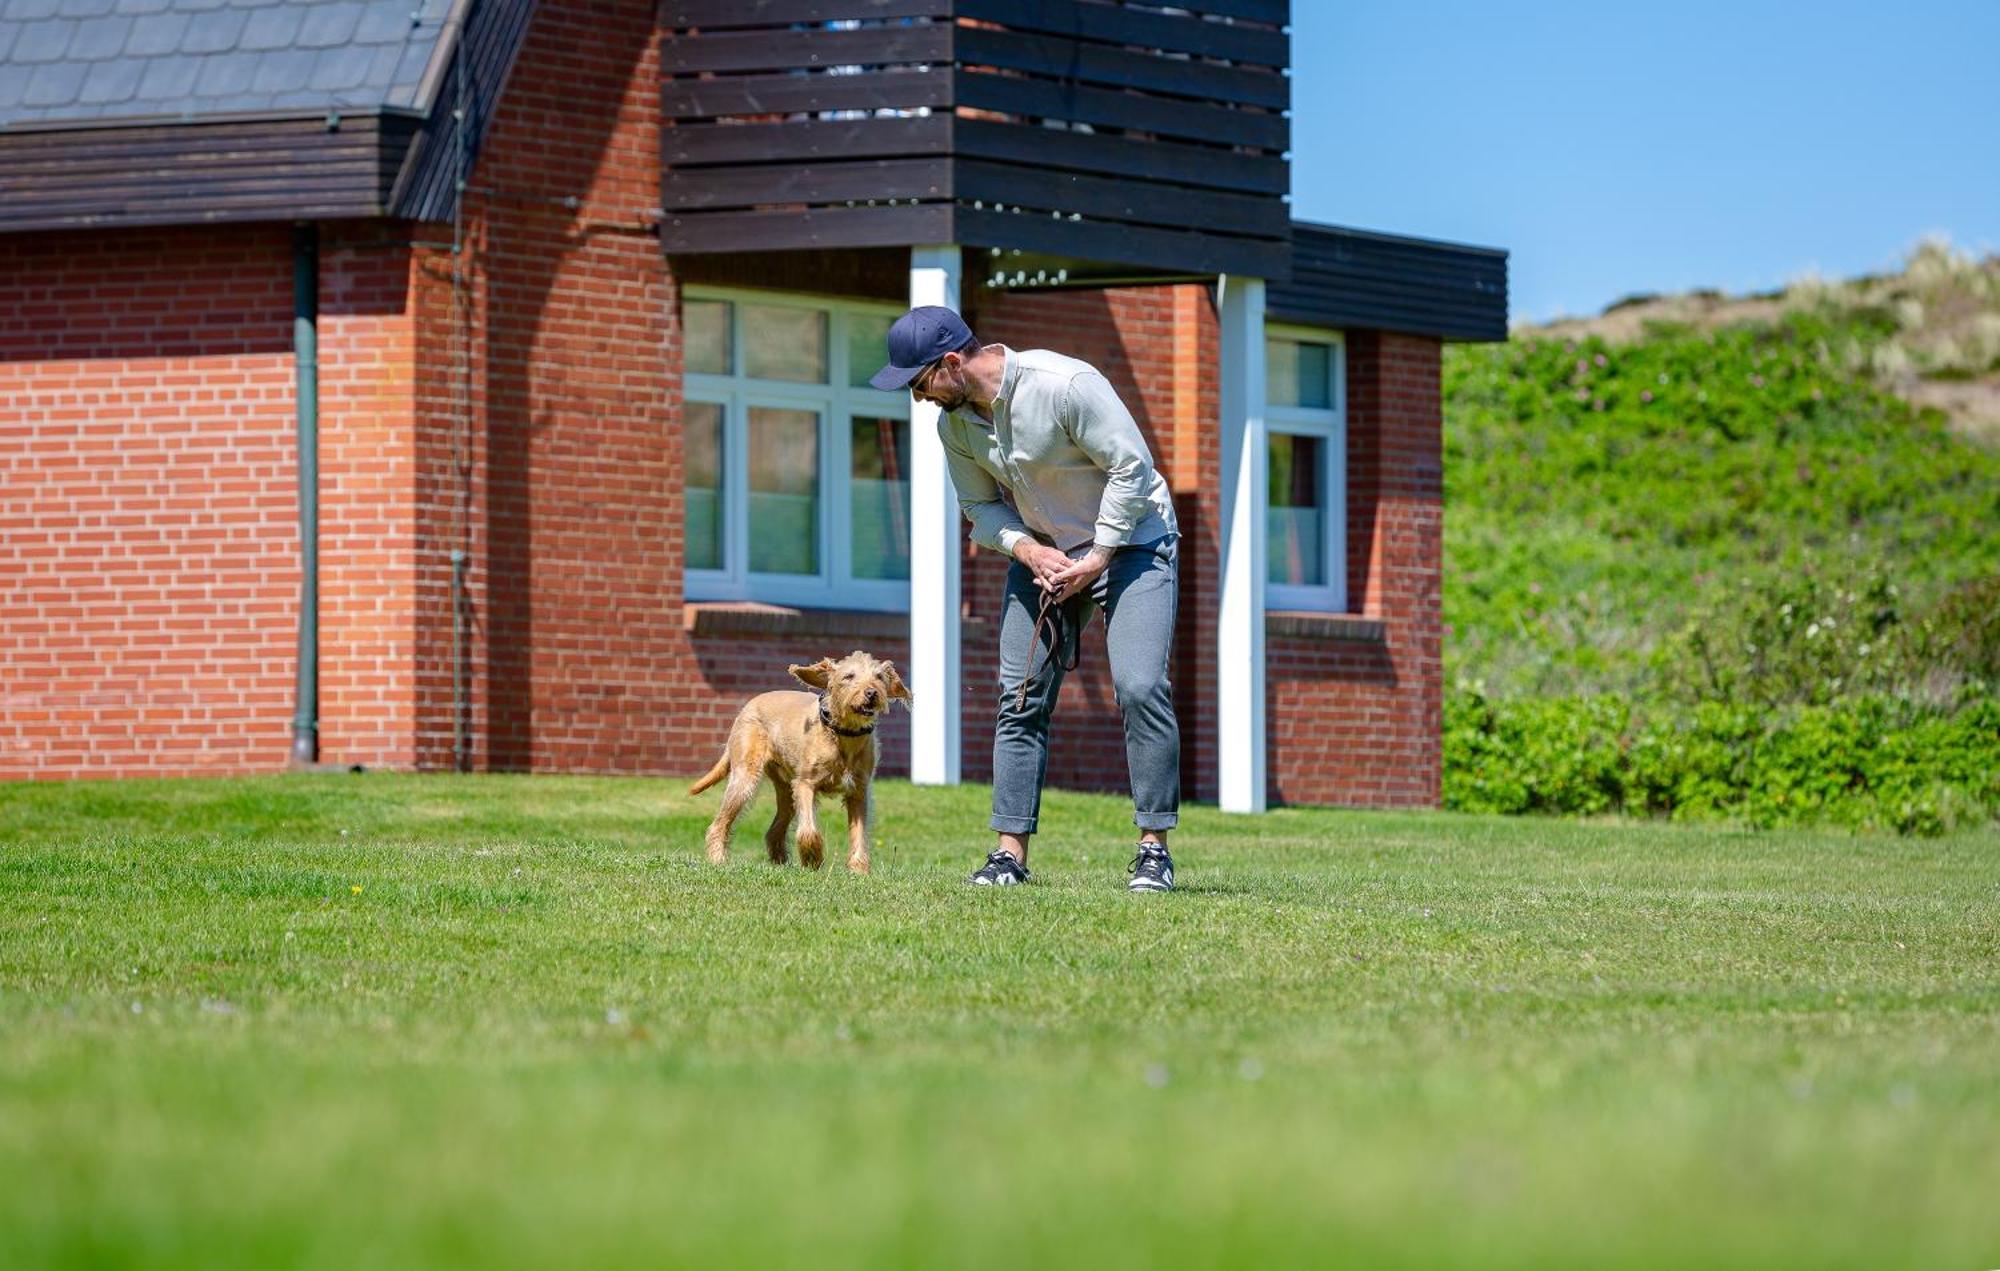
<point x="827" y="719"/>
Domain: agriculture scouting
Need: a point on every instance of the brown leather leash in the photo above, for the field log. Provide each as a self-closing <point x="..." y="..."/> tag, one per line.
<point x="1051" y="612"/>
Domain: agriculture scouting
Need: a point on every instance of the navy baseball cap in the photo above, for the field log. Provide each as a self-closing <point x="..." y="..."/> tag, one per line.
<point x="917" y="339"/>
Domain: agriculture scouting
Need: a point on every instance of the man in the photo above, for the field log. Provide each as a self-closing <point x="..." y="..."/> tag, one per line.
<point x="1052" y="471"/>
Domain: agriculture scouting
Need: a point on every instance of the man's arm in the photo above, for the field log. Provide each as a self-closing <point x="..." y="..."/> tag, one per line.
<point x="995" y="525"/>
<point x="1103" y="429"/>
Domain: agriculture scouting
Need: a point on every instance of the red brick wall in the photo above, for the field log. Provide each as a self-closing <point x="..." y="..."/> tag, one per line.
<point x="146" y="502"/>
<point x="1357" y="723"/>
<point x="577" y="661"/>
<point x="368" y="453"/>
<point x="150" y="583"/>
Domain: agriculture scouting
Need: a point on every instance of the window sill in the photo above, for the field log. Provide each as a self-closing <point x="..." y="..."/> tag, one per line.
<point x="1325" y="626"/>
<point x="733" y="617"/>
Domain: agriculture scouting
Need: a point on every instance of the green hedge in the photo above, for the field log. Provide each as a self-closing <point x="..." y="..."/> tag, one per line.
<point x="1874" y="762"/>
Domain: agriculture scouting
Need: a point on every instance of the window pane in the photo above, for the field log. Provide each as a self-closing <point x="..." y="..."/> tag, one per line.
<point x="881" y="498"/>
<point x="705" y="341"/>
<point x="1298" y="373"/>
<point x="1295" y="552"/>
<point x="783" y="343"/>
<point x="867" y="346"/>
<point x="784" y="490"/>
<point x="702" y="428"/>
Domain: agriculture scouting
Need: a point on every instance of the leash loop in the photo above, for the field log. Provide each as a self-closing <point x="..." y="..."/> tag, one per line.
<point x="1050" y="613"/>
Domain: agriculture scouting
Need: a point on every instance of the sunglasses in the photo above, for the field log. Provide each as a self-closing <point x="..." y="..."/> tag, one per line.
<point x="922" y="384"/>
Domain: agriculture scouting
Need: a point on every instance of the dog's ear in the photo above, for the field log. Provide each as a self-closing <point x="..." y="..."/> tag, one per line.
<point x="814" y="675"/>
<point x="894" y="684"/>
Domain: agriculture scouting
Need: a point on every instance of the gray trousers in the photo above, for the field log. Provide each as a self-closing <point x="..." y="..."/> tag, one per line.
<point x="1138" y="592"/>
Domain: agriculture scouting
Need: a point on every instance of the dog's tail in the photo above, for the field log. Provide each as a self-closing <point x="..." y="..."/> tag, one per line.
<point x="715" y="774"/>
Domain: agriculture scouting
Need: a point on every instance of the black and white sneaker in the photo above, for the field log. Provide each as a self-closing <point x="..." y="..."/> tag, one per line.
<point x="1152" y="869"/>
<point x="1000" y="870"/>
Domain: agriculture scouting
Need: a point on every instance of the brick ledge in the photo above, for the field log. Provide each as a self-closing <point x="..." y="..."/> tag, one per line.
<point x="1325" y="626"/>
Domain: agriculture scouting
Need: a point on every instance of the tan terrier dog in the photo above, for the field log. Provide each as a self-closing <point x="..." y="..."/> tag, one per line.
<point x="808" y="744"/>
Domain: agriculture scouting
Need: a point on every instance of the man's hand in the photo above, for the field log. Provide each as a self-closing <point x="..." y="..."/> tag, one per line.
<point x="1043" y="561"/>
<point x="1077" y="575"/>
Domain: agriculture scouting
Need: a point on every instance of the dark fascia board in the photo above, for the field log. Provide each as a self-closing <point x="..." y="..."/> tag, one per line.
<point x="490" y="34"/>
<point x="263" y="167"/>
<point x="1343" y="277"/>
<point x="409" y="173"/>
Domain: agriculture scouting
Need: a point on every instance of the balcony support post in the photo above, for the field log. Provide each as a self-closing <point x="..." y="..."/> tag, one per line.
<point x="937" y="532"/>
<point x="1239" y="643"/>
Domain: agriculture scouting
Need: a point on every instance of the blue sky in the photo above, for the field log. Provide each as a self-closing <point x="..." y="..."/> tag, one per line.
<point x="1621" y="147"/>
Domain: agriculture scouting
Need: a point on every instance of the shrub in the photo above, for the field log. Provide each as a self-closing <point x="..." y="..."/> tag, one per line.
<point x="1870" y="762"/>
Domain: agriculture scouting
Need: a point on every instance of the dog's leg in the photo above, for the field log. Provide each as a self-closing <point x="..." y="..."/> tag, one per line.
<point x="812" y="846"/>
<point x="736" y="796"/>
<point x="781" y="822"/>
<point x="856" y="800"/>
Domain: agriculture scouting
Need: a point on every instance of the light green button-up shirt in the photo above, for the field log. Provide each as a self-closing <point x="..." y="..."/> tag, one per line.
<point x="1063" y="461"/>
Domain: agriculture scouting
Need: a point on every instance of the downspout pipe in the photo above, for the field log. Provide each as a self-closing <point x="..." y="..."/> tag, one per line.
<point x="305" y="356"/>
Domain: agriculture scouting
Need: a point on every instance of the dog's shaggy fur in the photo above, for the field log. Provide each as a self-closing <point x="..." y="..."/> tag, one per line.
<point x="785" y="737"/>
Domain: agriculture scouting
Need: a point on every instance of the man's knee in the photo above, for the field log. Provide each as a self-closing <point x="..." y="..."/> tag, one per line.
<point x="1135" y="689"/>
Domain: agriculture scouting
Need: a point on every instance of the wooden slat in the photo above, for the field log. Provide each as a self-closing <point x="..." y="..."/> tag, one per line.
<point x="77" y="166"/>
<point x="1125" y="244"/>
<point x="780" y="13"/>
<point x="1114" y="24"/>
<point x="1118" y="199"/>
<point x="142" y="214"/>
<point x="1275" y="12"/>
<point x="771" y="94"/>
<point x="198" y="205"/>
<point x="695" y="189"/>
<point x="1100" y="107"/>
<point x="1122" y="68"/>
<point x="734" y="144"/>
<point x="146" y="188"/>
<point x="791" y="231"/>
<point x="734" y="51"/>
<point x="881" y="273"/>
<point x="1149" y="160"/>
<point x="751" y="13"/>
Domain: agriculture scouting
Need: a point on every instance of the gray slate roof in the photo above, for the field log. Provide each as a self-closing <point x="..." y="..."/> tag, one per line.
<point x="85" y="60"/>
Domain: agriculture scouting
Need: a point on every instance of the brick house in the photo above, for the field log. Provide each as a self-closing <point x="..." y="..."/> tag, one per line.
<point x="305" y="455"/>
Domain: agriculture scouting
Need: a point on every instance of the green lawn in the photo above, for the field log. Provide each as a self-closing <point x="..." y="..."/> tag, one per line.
<point x="349" y="1021"/>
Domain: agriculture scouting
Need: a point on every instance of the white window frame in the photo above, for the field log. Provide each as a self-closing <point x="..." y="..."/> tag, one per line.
<point x="1330" y="426"/>
<point x="837" y="404"/>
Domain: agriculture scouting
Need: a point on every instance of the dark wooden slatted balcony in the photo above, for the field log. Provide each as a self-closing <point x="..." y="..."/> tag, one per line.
<point x="1080" y="140"/>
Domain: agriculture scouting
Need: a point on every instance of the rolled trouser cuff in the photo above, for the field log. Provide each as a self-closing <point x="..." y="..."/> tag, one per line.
<point x="1012" y="824"/>
<point x="1156" y="820"/>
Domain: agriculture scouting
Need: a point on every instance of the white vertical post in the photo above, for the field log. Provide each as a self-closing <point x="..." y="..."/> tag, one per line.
<point x="1239" y="643"/>
<point x="936" y="534"/>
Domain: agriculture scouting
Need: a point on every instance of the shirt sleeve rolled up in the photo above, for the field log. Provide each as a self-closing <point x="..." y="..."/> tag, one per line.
<point x="1104" y="430"/>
